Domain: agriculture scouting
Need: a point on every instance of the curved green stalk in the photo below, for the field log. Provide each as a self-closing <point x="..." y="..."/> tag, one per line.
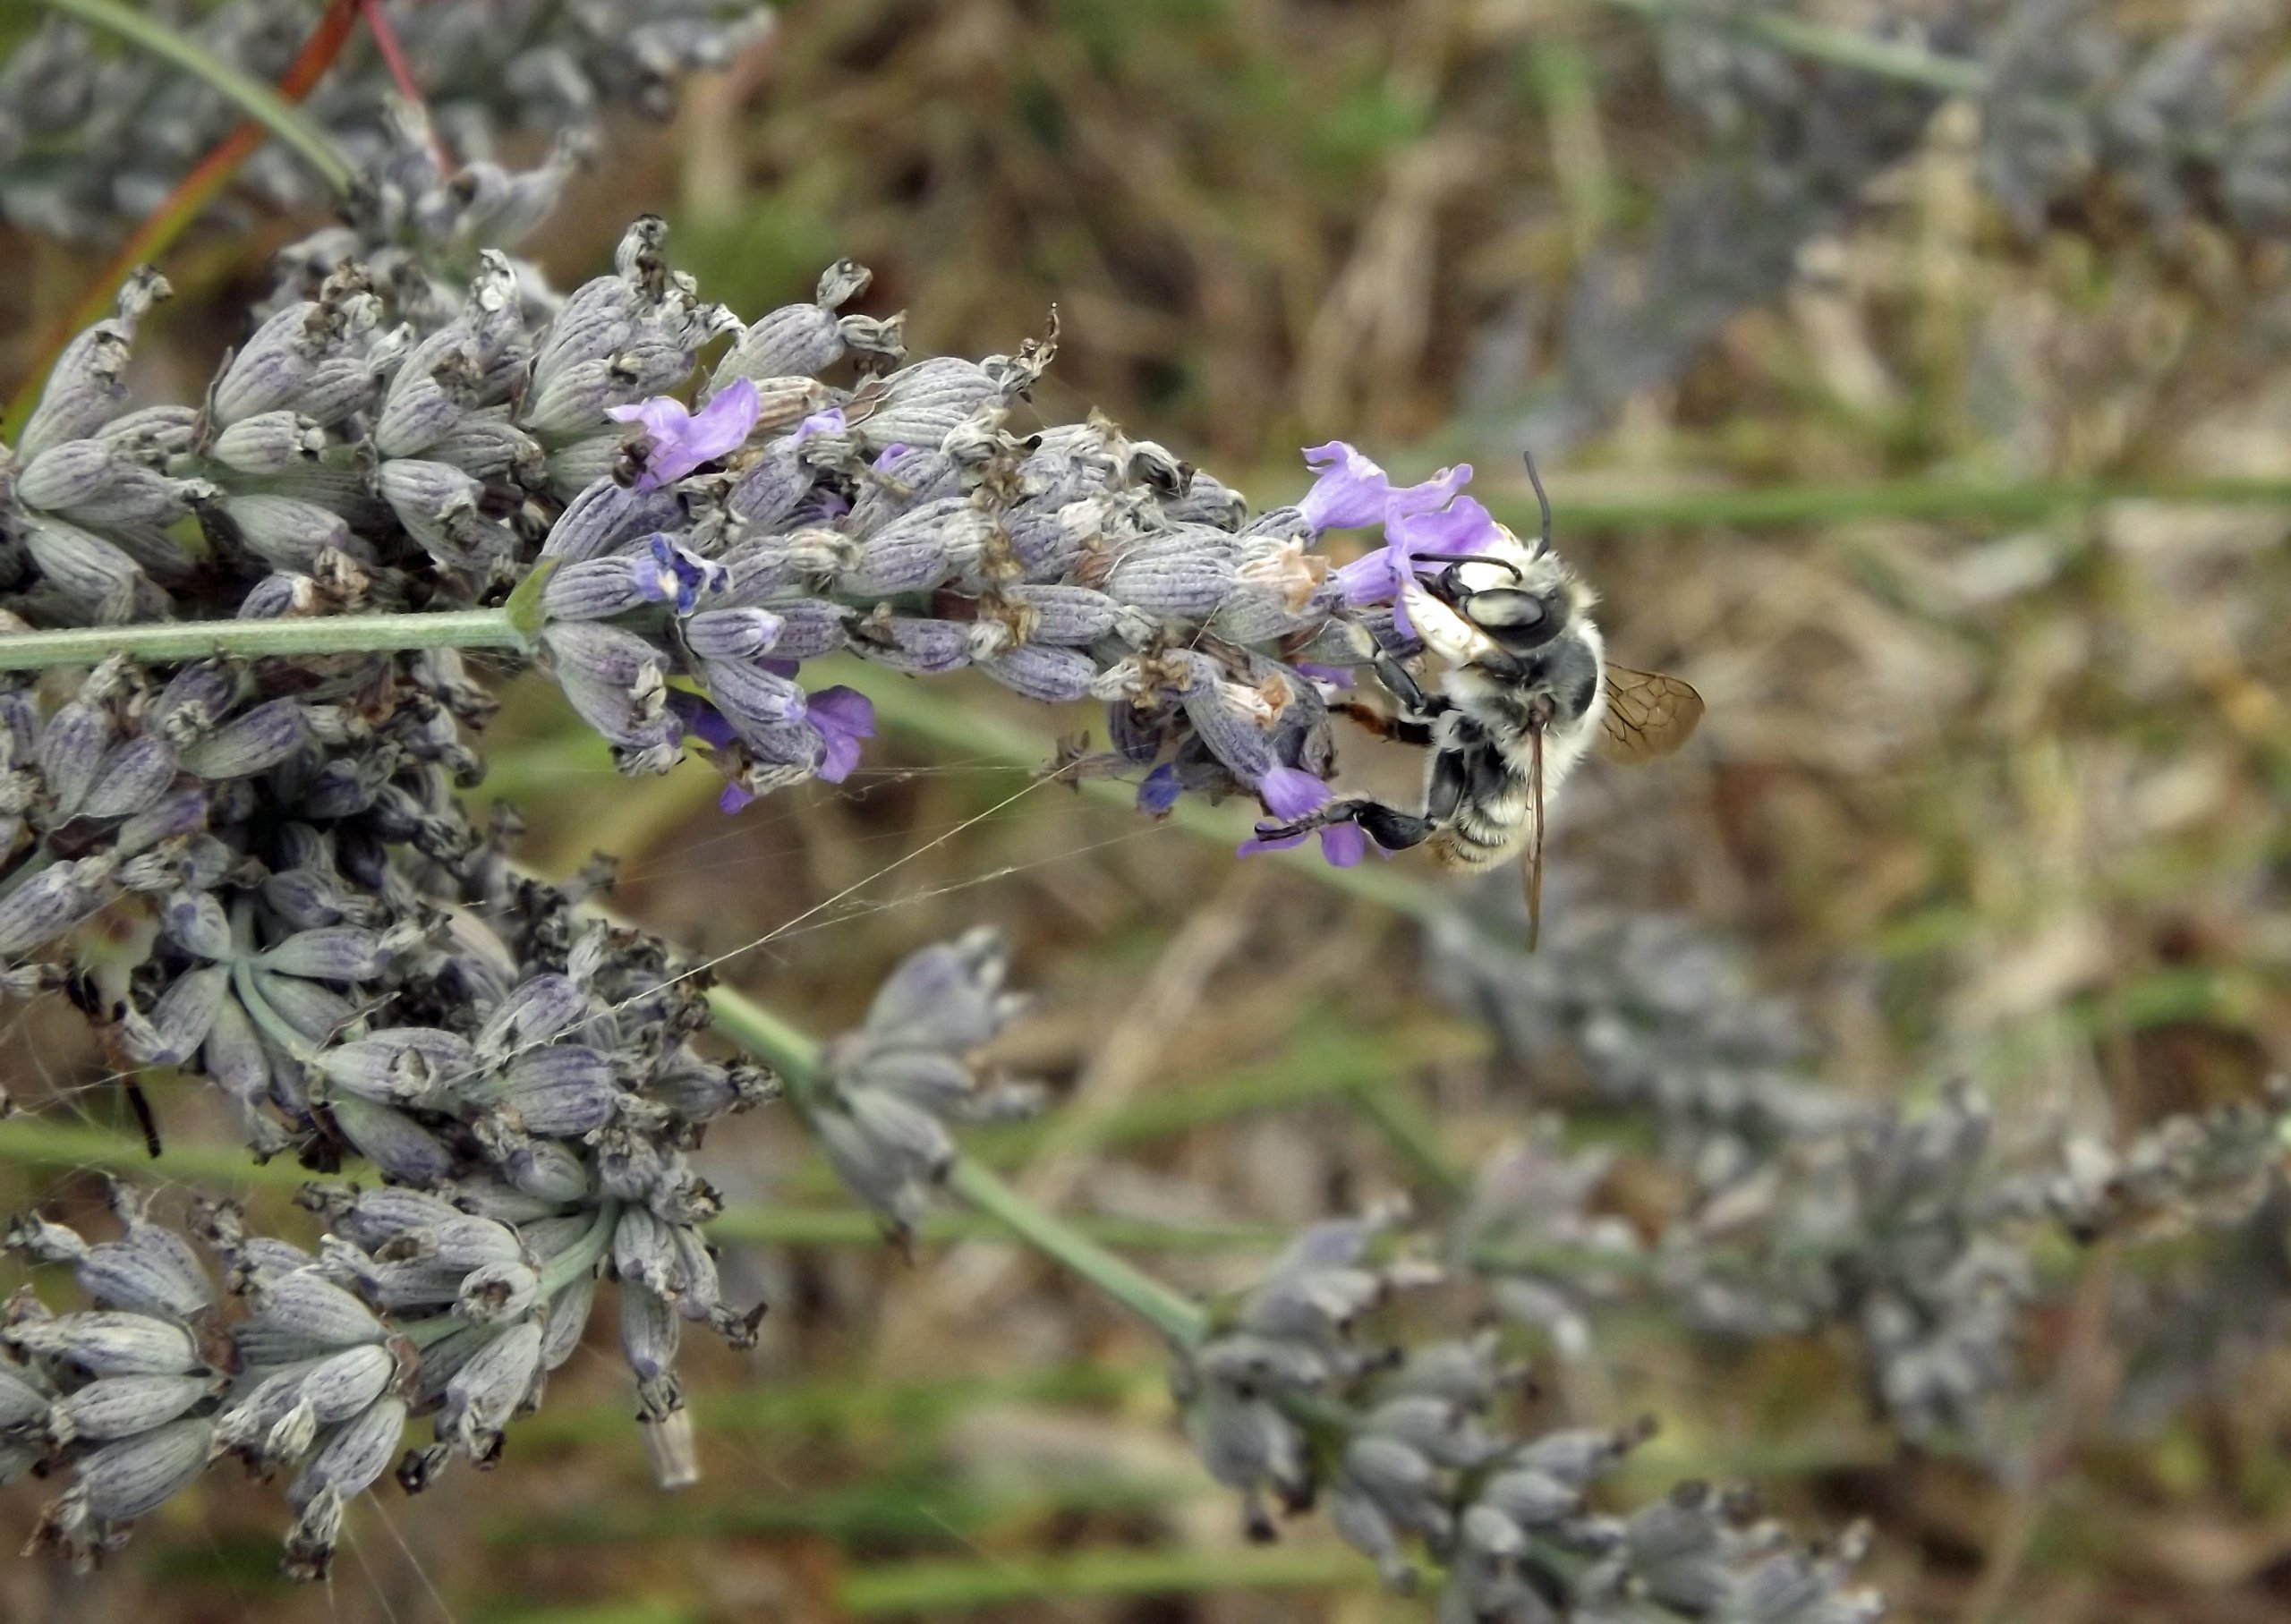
<point x="1901" y="61"/>
<point x="794" y="1055"/>
<point x="255" y="99"/>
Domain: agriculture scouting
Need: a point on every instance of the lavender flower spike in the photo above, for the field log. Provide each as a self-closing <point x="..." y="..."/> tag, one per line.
<point x="680" y="440"/>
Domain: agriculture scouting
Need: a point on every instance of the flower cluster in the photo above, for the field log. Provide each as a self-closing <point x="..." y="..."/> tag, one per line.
<point x="528" y="1159"/>
<point x="1286" y="1398"/>
<point x="887" y="1091"/>
<point x="377" y="444"/>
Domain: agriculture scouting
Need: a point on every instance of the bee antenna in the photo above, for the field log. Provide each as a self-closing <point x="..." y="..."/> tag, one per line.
<point x="1542" y="500"/>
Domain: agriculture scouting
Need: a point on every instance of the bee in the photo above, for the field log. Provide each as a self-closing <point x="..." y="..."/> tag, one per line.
<point x="1521" y="690"/>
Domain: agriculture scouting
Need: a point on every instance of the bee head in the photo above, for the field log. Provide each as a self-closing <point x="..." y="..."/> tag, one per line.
<point x="1495" y="610"/>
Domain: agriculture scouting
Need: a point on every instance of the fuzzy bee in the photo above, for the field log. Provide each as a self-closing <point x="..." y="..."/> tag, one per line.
<point x="1520" y="690"/>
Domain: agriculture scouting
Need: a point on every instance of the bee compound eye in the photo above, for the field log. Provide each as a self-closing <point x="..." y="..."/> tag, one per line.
<point x="1504" y="610"/>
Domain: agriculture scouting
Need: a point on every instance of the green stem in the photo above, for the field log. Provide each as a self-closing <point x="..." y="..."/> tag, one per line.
<point x="257" y="99"/>
<point x="32" y="1141"/>
<point x="1181" y="1320"/>
<point x="254" y="639"/>
<point x="576" y="1259"/>
<point x="1898" y="60"/>
<point x="795" y="1055"/>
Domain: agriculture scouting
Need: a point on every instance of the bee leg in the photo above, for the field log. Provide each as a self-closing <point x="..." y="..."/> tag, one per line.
<point x="1406" y="689"/>
<point x="1406" y="729"/>
<point x="1389" y="827"/>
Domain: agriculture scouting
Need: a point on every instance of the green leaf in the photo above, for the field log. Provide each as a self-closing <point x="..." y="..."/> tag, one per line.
<point x="524" y="605"/>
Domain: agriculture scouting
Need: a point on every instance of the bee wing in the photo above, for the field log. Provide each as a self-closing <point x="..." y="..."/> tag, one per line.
<point x="1647" y="715"/>
<point x="1534" y="865"/>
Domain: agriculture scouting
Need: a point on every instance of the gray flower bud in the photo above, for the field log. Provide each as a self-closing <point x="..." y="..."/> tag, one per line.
<point x="548" y="1172"/>
<point x="734" y="634"/>
<point x="336" y="388"/>
<point x="332" y="953"/>
<point x="307" y="1307"/>
<point x="93" y="573"/>
<point x="1186" y="576"/>
<point x="272" y="366"/>
<point x="597" y="589"/>
<point x="487" y="1390"/>
<point x="489" y="447"/>
<point x="405" y="1064"/>
<point x="132" y="776"/>
<point x="119" y="1407"/>
<point x="614" y="678"/>
<point x="341" y="1387"/>
<point x="1050" y="675"/>
<point x="105" y="1343"/>
<point x="289" y="533"/>
<point x="539" y="1009"/>
<point x="919" y="647"/>
<point x="606" y="515"/>
<point x="153" y="1270"/>
<point x="924" y="403"/>
<point x="650" y="1330"/>
<point x="430" y="393"/>
<point x="1531" y="1499"/>
<point x="53" y="901"/>
<point x="559" y="1092"/>
<point x="71" y="475"/>
<point x="85" y="391"/>
<point x="269" y="443"/>
<point x="946" y="996"/>
<point x="438" y="505"/>
<point x="181" y="1019"/>
<point x="123" y="1481"/>
<point x="250" y="743"/>
<point x="569" y="401"/>
<point x="72" y="750"/>
<point x="352" y="1460"/>
<point x="194" y="921"/>
<point x="568" y="1318"/>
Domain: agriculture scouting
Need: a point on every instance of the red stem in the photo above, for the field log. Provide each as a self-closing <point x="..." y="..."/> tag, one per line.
<point x="378" y="24"/>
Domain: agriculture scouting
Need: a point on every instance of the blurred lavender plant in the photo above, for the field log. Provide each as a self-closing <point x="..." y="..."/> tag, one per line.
<point x="93" y="137"/>
<point x="1919" y="1236"/>
<point x="2089" y="121"/>
<point x="1285" y="1397"/>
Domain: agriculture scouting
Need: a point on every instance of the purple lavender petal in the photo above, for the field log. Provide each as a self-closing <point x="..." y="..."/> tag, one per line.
<point x="1348" y="491"/>
<point x="1343" y="845"/>
<point x="1335" y="676"/>
<point x="1160" y="791"/>
<point x="843" y="716"/>
<point x="680" y="440"/>
<point x="830" y="422"/>
<point x="1434" y="493"/>
<point x="702" y="720"/>
<point x="1368" y="578"/>
<point x="1290" y="793"/>
<point x="1465" y="528"/>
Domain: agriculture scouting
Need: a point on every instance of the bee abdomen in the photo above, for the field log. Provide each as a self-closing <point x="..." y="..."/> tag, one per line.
<point x="1479" y="836"/>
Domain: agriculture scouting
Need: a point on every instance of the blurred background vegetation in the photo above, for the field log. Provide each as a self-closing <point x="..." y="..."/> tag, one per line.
<point x="1971" y="528"/>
